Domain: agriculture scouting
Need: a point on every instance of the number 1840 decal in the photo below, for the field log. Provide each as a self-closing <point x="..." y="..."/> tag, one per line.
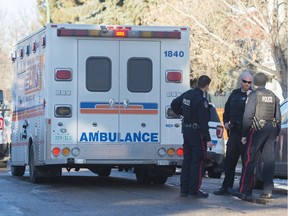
<point x="170" y="53"/>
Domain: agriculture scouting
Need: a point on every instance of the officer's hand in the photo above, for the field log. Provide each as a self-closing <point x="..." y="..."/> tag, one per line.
<point x="226" y="125"/>
<point x="243" y="140"/>
<point x="277" y="138"/>
<point x="210" y="144"/>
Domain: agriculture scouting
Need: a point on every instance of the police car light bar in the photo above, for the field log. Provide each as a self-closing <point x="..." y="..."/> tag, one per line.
<point x="104" y="32"/>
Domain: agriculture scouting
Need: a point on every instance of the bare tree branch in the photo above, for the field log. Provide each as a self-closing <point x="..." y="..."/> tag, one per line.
<point x="220" y="40"/>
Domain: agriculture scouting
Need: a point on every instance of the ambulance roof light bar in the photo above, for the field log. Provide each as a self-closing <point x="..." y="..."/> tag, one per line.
<point x="117" y="32"/>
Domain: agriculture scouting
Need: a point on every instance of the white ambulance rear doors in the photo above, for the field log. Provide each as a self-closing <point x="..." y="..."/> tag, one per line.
<point x="118" y="91"/>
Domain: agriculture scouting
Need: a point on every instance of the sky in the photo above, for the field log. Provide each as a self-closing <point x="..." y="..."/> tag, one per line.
<point x="17" y="17"/>
<point x="15" y="3"/>
<point x="15" y="7"/>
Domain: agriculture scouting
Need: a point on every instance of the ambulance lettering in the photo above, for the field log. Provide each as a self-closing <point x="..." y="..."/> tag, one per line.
<point x="118" y="137"/>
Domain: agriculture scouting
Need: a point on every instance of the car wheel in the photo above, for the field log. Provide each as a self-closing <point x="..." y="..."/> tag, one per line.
<point x="213" y="174"/>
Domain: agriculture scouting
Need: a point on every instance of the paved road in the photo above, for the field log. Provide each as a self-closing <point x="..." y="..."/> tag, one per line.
<point x="83" y="193"/>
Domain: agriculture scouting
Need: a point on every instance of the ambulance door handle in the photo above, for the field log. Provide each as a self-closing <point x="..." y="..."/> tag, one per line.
<point x="126" y="103"/>
<point x="111" y="103"/>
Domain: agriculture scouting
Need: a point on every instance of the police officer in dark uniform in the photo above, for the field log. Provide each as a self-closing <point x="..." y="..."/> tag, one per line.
<point x="261" y="126"/>
<point x="232" y="118"/>
<point x="195" y="111"/>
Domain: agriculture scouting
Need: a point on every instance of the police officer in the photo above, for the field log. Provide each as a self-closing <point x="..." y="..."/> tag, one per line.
<point x="261" y="127"/>
<point x="195" y="111"/>
<point x="232" y="118"/>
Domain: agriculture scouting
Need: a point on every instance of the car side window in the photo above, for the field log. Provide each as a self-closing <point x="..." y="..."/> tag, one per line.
<point x="284" y="113"/>
<point x="213" y="114"/>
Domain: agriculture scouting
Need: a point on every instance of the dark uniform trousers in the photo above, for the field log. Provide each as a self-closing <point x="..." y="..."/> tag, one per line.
<point x="194" y="156"/>
<point x="234" y="150"/>
<point x="264" y="141"/>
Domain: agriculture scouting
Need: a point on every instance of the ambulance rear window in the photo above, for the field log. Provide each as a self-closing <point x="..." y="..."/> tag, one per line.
<point x="139" y="77"/>
<point x="98" y="74"/>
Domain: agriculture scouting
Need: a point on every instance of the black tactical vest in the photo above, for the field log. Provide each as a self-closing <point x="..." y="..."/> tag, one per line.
<point x="265" y="108"/>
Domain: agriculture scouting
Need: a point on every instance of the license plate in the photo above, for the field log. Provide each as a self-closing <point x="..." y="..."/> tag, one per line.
<point x="61" y="138"/>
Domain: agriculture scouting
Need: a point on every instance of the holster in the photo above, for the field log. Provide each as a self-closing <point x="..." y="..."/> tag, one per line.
<point x="256" y="125"/>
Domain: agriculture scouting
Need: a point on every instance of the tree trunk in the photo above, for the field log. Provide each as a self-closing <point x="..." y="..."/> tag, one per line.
<point x="281" y="66"/>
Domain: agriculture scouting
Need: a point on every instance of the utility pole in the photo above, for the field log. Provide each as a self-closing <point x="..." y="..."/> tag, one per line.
<point x="45" y="3"/>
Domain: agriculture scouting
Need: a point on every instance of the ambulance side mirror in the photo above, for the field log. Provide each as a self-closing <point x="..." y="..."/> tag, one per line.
<point x="1" y="97"/>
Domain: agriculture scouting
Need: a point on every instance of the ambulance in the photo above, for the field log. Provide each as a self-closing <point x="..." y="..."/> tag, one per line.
<point x="98" y="97"/>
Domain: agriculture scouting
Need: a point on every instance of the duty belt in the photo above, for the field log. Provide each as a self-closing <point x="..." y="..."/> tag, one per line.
<point x="262" y="122"/>
<point x="192" y="125"/>
<point x="258" y="125"/>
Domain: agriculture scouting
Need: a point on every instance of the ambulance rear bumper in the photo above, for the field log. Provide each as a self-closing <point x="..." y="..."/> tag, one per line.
<point x="83" y="162"/>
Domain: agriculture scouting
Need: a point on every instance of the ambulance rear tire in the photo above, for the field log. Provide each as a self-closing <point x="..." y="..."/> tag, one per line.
<point x="160" y="180"/>
<point x="143" y="177"/>
<point x="17" y="170"/>
<point x="34" y="171"/>
<point x="102" y="172"/>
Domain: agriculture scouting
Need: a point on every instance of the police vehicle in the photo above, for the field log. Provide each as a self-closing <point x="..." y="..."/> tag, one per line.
<point x="281" y="166"/>
<point x="215" y="156"/>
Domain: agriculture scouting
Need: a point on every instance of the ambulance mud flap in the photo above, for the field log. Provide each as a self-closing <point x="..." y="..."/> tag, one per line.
<point x="18" y="170"/>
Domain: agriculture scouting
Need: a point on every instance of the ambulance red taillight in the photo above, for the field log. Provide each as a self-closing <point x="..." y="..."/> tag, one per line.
<point x="63" y="75"/>
<point x="56" y="151"/>
<point x="180" y="152"/>
<point x="1" y="123"/>
<point x="219" y="131"/>
<point x="174" y="76"/>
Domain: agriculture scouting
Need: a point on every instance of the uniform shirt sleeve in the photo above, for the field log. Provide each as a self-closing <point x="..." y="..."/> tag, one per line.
<point x="249" y="113"/>
<point x="204" y="116"/>
<point x="226" y="113"/>
<point x="176" y="105"/>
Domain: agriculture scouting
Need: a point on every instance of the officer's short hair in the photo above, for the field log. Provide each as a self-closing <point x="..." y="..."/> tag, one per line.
<point x="203" y="81"/>
<point x="260" y="79"/>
